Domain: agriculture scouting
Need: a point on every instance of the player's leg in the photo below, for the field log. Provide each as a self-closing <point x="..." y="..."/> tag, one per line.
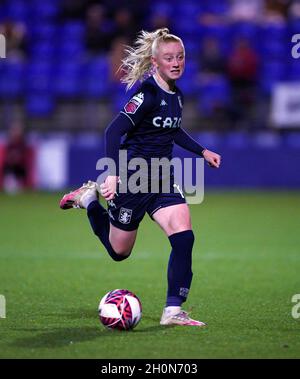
<point x="117" y="242"/>
<point x="175" y="221"/>
<point x="122" y="241"/>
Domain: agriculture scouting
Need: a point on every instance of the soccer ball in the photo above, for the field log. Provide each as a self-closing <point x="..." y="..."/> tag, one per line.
<point x="120" y="309"/>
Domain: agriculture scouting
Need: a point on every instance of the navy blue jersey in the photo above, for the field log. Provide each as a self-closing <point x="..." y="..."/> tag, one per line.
<point x="155" y="115"/>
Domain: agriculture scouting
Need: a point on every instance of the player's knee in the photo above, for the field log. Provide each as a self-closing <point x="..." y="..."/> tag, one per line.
<point x="123" y="253"/>
<point x="177" y="226"/>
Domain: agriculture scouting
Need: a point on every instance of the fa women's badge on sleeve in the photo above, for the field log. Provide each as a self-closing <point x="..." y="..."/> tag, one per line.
<point x="134" y="103"/>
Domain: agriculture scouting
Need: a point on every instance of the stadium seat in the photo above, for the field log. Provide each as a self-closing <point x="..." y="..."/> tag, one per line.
<point x="294" y="26"/>
<point x="42" y="50"/>
<point x="271" y="73"/>
<point x="72" y="30"/>
<point x="66" y="78"/>
<point x="11" y="79"/>
<point x="245" y="30"/>
<point x="211" y="139"/>
<point x="161" y="7"/>
<point x="219" y="32"/>
<point x="39" y="105"/>
<point x="188" y="82"/>
<point x="67" y="49"/>
<point x="39" y="78"/>
<point x="214" y="94"/>
<point x="187" y="29"/>
<point x="273" y="48"/>
<point x="236" y="140"/>
<point x="266" y="139"/>
<point x="17" y="10"/>
<point x="294" y="70"/>
<point x="44" y="10"/>
<point x="188" y="9"/>
<point x="67" y="87"/>
<point x="43" y="31"/>
<point x="273" y="41"/>
<point x="292" y="139"/>
<point x="192" y="48"/>
<point x="95" y="78"/>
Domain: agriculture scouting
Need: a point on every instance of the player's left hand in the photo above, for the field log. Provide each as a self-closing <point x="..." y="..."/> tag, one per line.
<point x="109" y="187"/>
<point x="213" y="159"/>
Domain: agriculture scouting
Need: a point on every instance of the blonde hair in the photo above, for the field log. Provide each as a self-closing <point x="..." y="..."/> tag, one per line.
<point x="137" y="62"/>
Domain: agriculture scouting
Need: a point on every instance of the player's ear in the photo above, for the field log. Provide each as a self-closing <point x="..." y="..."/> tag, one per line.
<point x="154" y="62"/>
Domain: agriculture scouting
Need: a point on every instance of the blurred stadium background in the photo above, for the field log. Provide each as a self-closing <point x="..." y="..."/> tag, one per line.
<point x="59" y="88"/>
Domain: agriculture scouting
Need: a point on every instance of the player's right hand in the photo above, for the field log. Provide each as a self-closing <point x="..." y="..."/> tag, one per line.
<point x="108" y="189"/>
<point x="213" y="159"/>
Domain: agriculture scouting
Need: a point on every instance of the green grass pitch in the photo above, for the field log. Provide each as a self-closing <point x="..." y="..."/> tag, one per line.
<point x="246" y="263"/>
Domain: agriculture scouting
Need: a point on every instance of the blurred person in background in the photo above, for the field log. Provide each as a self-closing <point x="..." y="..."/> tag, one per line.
<point x="242" y="70"/>
<point x="99" y="30"/>
<point x="16" y="161"/>
<point x="125" y="24"/>
<point x="74" y="9"/>
<point x="211" y="60"/>
<point x="137" y="10"/>
<point x="276" y="11"/>
<point x="159" y="19"/>
<point x="294" y="10"/>
<point x="16" y="39"/>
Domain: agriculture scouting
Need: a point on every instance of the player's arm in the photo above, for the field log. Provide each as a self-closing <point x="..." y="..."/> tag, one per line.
<point x="129" y="117"/>
<point x="184" y="140"/>
<point x="113" y="133"/>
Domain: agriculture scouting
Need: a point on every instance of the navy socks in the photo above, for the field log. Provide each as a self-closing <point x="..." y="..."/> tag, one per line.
<point x="180" y="267"/>
<point x="99" y="221"/>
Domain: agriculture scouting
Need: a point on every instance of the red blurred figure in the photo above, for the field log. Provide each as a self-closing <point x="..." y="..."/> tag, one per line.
<point x="242" y="67"/>
<point x="242" y="64"/>
<point x="17" y="159"/>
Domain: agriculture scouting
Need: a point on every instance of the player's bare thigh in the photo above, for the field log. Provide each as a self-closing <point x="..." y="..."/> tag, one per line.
<point x="122" y="241"/>
<point x="174" y="219"/>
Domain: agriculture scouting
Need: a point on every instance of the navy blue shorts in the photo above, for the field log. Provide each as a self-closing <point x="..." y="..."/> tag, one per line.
<point x="127" y="210"/>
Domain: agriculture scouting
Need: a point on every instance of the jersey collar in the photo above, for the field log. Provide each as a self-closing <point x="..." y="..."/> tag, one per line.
<point x="156" y="81"/>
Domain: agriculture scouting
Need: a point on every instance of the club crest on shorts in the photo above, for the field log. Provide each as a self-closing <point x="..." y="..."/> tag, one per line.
<point x="133" y="104"/>
<point x="125" y="215"/>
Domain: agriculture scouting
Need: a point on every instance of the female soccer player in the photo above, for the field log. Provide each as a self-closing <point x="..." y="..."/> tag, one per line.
<point x="151" y="121"/>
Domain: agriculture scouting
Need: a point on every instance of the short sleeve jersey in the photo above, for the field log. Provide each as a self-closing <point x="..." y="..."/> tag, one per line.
<point x="155" y="115"/>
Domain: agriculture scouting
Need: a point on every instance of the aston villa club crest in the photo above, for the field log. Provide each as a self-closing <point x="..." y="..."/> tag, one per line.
<point x="125" y="215"/>
<point x="133" y="104"/>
